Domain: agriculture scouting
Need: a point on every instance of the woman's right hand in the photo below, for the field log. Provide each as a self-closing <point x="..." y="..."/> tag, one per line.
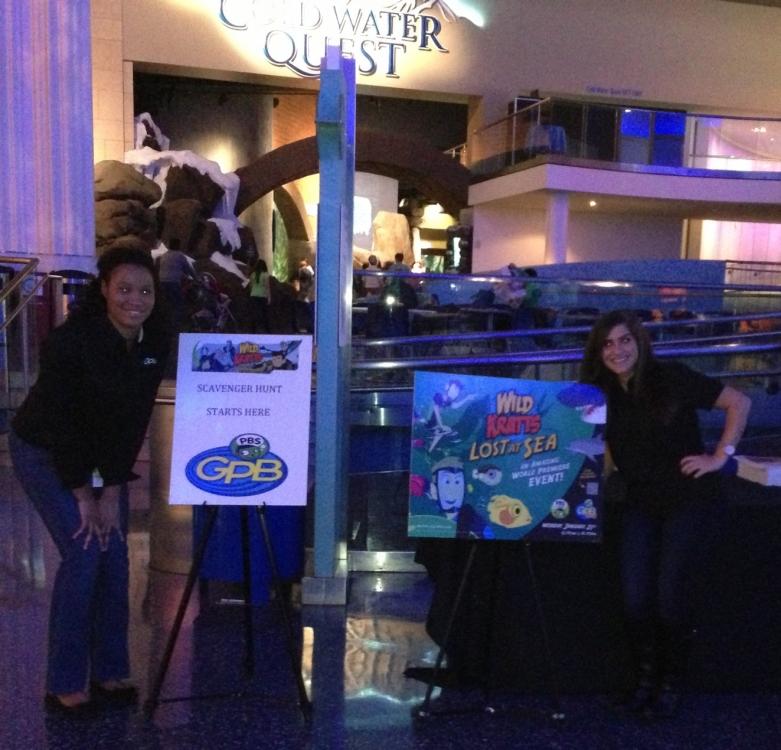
<point x="110" y="515"/>
<point x="89" y="513"/>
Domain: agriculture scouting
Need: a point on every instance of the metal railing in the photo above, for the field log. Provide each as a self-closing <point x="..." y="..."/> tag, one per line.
<point x="624" y="134"/>
<point x="30" y="305"/>
<point x="752" y="272"/>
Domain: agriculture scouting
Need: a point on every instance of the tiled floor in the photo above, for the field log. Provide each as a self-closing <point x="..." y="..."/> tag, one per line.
<point x="353" y="667"/>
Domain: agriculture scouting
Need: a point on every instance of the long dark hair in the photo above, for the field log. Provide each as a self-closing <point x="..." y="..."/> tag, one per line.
<point x="130" y="252"/>
<point x="645" y="383"/>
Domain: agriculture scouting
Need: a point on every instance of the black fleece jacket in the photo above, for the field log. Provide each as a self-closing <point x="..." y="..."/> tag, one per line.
<point x="91" y="404"/>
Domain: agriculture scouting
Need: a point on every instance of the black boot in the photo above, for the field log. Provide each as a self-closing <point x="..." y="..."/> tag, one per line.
<point x="642" y="694"/>
<point x="675" y="647"/>
<point x="666" y="701"/>
<point x="642" y="638"/>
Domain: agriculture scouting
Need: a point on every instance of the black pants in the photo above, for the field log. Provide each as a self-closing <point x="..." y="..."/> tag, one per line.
<point x="663" y="558"/>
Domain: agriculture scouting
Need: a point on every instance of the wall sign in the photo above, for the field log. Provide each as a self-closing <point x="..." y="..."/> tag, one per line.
<point x="377" y="33"/>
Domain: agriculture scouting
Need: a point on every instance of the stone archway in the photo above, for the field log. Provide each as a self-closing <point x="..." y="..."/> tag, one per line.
<point x="291" y="215"/>
<point x="434" y="174"/>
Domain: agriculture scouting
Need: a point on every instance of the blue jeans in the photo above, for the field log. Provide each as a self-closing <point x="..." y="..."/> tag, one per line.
<point x="88" y="620"/>
<point x="661" y="559"/>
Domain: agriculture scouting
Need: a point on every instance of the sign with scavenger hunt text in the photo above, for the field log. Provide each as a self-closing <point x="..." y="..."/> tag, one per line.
<point x="495" y="458"/>
<point x="241" y="421"/>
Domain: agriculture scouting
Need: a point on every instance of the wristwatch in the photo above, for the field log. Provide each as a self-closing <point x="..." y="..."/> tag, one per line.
<point x="728" y="450"/>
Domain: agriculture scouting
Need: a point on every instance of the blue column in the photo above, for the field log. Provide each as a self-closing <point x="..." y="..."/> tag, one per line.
<point x="46" y="173"/>
<point x="336" y="146"/>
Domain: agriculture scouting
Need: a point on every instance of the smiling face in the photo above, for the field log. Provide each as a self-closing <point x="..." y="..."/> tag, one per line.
<point x="130" y="297"/>
<point x="620" y="353"/>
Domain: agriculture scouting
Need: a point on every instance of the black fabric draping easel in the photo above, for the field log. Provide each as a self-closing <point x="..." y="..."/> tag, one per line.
<point x="444" y="639"/>
<point x="304" y="703"/>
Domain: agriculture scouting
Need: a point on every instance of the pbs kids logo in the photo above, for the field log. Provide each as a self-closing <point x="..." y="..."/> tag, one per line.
<point x="249" y="446"/>
<point x="244" y="467"/>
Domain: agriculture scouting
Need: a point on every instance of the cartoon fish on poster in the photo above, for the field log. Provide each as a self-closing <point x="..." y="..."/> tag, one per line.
<point x="489" y="475"/>
<point x="507" y="511"/>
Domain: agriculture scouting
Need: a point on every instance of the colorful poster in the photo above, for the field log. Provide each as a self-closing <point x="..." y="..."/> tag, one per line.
<point x="494" y="458"/>
<point x="241" y="421"/>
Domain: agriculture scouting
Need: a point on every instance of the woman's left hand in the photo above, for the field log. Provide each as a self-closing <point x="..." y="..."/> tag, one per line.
<point x="703" y="463"/>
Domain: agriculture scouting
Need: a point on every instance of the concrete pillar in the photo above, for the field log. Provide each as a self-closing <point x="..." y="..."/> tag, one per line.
<point x="556" y="228"/>
<point x="46" y="176"/>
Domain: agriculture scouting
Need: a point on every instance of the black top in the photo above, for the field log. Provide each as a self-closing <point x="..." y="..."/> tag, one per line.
<point x="647" y="446"/>
<point x="93" y="399"/>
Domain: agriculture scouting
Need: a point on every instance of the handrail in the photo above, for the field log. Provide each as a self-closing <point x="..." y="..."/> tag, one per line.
<point x="517" y="112"/>
<point x="493" y="278"/>
<point x="570" y="330"/>
<point x="556" y="356"/>
<point x="30" y="265"/>
<point x="615" y="105"/>
<point x="12" y="315"/>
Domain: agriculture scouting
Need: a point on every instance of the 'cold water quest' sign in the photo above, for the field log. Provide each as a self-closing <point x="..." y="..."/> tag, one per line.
<point x="241" y="422"/>
<point x="494" y="458"/>
<point x="293" y="34"/>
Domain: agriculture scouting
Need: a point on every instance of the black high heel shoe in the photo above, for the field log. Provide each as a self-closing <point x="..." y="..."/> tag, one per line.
<point x="126" y="695"/>
<point x="54" y="705"/>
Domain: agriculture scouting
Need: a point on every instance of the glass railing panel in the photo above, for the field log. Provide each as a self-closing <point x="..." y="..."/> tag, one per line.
<point x="27" y="314"/>
<point x="475" y="323"/>
<point x="623" y="134"/>
<point x="735" y="144"/>
<point x="36" y="313"/>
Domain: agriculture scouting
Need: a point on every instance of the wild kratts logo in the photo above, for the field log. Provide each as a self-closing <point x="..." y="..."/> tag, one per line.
<point x="245" y="467"/>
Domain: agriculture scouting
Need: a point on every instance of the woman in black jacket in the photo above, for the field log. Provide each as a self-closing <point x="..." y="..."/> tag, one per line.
<point x="73" y="444"/>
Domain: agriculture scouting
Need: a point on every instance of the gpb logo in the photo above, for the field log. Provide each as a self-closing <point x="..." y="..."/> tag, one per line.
<point x="245" y="467"/>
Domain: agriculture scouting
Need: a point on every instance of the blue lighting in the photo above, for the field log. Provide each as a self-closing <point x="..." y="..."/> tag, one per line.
<point x="670" y="123"/>
<point x="636" y="123"/>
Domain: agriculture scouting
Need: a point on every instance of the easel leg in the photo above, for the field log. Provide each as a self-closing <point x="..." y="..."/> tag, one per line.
<point x="295" y="662"/>
<point x="554" y="679"/>
<point x="154" y="697"/>
<point x="424" y="708"/>
<point x="249" y="650"/>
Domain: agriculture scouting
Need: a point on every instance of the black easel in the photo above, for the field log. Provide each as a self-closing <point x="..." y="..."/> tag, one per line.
<point x="424" y="710"/>
<point x="304" y="703"/>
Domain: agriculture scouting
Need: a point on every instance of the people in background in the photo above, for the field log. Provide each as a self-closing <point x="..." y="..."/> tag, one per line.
<point x="306" y="281"/>
<point x="673" y="494"/>
<point x="399" y="264"/>
<point x="73" y="444"/>
<point x="173" y="268"/>
<point x="372" y="284"/>
<point x="259" y="296"/>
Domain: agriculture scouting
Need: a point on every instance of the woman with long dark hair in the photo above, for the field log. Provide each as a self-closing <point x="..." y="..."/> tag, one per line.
<point x="672" y="493"/>
<point x="73" y="444"/>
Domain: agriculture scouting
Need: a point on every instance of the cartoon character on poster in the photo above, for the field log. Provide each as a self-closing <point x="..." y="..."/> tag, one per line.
<point x="494" y="458"/>
<point x="218" y="356"/>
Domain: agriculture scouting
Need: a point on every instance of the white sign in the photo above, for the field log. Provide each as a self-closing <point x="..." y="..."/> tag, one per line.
<point x="241" y="422"/>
